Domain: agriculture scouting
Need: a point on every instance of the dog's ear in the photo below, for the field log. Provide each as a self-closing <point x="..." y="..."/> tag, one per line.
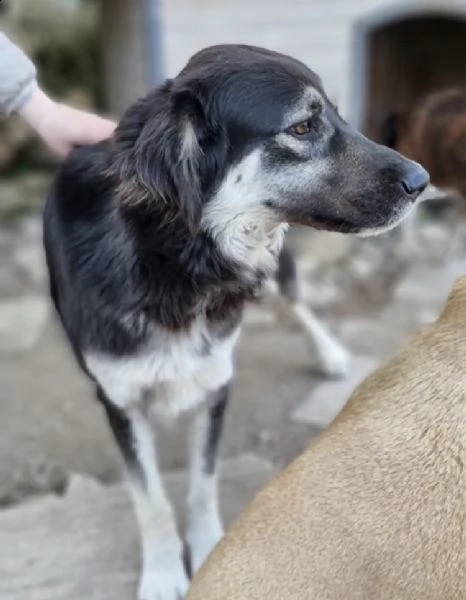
<point x="177" y="155"/>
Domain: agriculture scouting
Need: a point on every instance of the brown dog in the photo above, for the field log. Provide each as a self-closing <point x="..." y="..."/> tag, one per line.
<point x="376" y="507"/>
<point x="433" y="133"/>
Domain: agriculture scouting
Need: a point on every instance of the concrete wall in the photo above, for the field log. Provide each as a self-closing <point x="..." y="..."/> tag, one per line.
<point x="328" y="35"/>
<point x="319" y="32"/>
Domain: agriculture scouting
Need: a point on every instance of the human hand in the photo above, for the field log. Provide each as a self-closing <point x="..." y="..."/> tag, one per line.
<point x="62" y="127"/>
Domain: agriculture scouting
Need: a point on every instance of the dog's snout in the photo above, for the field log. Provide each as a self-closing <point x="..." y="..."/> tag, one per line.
<point x="415" y="180"/>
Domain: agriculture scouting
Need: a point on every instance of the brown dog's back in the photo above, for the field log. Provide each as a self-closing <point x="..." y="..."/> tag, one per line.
<point x="433" y="133"/>
<point x="376" y="507"/>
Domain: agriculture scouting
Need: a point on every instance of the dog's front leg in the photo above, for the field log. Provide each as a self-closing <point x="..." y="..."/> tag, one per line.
<point x="163" y="574"/>
<point x="204" y="526"/>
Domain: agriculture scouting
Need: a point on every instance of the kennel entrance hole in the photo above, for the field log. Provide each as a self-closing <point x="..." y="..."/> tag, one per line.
<point x="407" y="59"/>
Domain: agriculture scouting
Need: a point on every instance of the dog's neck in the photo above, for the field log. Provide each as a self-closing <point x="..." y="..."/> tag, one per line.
<point x="238" y="250"/>
<point x="252" y="245"/>
<point x="200" y="273"/>
<point x="247" y="232"/>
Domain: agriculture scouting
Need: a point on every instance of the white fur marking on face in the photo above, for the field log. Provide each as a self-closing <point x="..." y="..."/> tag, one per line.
<point x="285" y="140"/>
<point x="245" y="229"/>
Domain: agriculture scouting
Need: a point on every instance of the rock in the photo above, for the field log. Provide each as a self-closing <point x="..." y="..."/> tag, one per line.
<point x="371" y="337"/>
<point x="36" y="185"/>
<point x="362" y="267"/>
<point x="23" y="195"/>
<point x="55" y="426"/>
<point x="436" y="237"/>
<point x="85" y="544"/>
<point x="10" y="284"/>
<point x="31" y="229"/>
<point x="29" y="259"/>
<point x="11" y="198"/>
<point x="265" y="437"/>
<point x="316" y="248"/>
<point x="258" y="315"/>
<point x="21" y="323"/>
<point x="320" y="294"/>
<point x="329" y="397"/>
<point x="35" y="477"/>
<point x="429" y="286"/>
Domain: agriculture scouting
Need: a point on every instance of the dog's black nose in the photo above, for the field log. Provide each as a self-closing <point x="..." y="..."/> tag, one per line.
<point x="415" y="180"/>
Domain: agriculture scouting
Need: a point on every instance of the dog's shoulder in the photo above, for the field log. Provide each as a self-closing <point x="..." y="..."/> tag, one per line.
<point x="88" y="246"/>
<point x="83" y="185"/>
<point x="81" y="212"/>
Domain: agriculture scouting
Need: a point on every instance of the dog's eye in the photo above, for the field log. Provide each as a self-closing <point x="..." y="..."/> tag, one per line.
<point x="302" y="128"/>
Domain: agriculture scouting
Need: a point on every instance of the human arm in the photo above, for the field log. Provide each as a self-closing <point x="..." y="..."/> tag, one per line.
<point x="60" y="126"/>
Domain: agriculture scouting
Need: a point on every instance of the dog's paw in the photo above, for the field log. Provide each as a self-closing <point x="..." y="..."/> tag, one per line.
<point x="201" y="537"/>
<point x="333" y="360"/>
<point x="164" y="583"/>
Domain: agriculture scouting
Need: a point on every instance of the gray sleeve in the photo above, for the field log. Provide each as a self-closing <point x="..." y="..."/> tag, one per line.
<point x="17" y="77"/>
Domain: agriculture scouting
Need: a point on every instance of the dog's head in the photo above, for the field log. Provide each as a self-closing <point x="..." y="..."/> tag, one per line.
<point x="244" y="139"/>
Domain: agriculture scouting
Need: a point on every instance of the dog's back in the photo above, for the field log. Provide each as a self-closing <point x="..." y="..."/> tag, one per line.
<point x="82" y="230"/>
<point x="376" y="507"/>
<point x="433" y="133"/>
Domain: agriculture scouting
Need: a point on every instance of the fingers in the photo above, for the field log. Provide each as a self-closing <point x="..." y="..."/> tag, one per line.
<point x="62" y="127"/>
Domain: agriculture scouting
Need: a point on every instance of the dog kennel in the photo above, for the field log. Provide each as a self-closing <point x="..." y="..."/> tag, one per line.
<point x="399" y="58"/>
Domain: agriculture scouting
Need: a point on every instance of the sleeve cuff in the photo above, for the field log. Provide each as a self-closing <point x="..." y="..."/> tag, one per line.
<point x="17" y="76"/>
<point x="21" y="98"/>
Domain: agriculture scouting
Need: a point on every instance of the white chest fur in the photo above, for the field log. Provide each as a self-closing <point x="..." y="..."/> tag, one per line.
<point x="175" y="371"/>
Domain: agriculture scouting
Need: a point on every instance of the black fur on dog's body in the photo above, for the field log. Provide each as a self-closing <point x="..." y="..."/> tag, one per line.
<point x="156" y="238"/>
<point x="133" y="267"/>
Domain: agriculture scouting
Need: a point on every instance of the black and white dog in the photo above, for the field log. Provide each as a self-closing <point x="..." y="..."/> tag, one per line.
<point x="156" y="238"/>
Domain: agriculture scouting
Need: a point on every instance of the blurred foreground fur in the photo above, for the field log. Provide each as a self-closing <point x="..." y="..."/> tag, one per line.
<point x="376" y="507"/>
